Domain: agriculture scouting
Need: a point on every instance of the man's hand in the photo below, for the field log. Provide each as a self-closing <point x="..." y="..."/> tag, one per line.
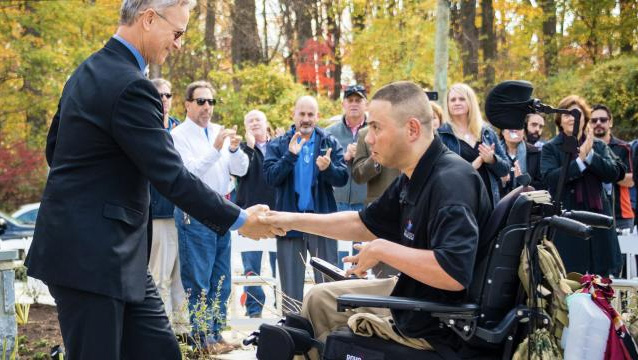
<point x="221" y="136"/>
<point x="255" y="229"/>
<point x="295" y="147"/>
<point x="324" y="161"/>
<point x="250" y="139"/>
<point x="487" y="153"/>
<point x="234" y="140"/>
<point x="351" y="152"/>
<point x="281" y="220"/>
<point x="365" y="259"/>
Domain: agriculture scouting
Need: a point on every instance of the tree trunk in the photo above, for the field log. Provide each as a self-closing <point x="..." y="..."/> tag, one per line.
<point x="358" y="16"/>
<point x="303" y="23"/>
<point x="469" y="40"/>
<point x="289" y="30"/>
<point x="334" y="34"/>
<point x="154" y="71"/>
<point x="32" y="86"/>
<point x="550" y="43"/>
<point x="488" y="40"/>
<point x="210" y="42"/>
<point x="245" y="43"/>
<point x="628" y="23"/>
<point x="441" y="48"/>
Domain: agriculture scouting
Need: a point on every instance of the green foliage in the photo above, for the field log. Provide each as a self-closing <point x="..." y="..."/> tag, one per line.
<point x="613" y="83"/>
<point x="397" y="44"/>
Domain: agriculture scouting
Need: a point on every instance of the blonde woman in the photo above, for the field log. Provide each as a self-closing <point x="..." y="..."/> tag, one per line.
<point x="437" y="116"/>
<point x="464" y="132"/>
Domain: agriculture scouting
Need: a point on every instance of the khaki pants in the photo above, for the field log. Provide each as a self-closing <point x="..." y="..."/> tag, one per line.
<point x="320" y="306"/>
<point x="164" y="267"/>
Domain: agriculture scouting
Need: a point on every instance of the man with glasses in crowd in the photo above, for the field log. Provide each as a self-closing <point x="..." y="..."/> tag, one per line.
<point x="212" y="154"/>
<point x="163" y="261"/>
<point x="602" y="122"/>
<point x="346" y="130"/>
<point x="105" y="144"/>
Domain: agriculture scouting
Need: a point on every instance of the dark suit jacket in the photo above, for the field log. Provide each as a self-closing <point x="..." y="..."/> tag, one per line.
<point x="105" y="143"/>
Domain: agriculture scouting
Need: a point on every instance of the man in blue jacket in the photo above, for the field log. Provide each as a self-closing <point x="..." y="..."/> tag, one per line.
<point x="303" y="165"/>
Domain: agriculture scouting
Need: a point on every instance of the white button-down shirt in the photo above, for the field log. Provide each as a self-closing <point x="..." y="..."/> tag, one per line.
<point x="213" y="167"/>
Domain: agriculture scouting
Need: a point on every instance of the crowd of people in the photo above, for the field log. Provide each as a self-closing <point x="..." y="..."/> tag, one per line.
<point x="309" y="169"/>
<point x="409" y="182"/>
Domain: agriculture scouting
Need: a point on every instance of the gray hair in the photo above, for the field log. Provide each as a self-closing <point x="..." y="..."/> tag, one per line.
<point x="131" y="8"/>
<point x="159" y="82"/>
<point x="258" y="113"/>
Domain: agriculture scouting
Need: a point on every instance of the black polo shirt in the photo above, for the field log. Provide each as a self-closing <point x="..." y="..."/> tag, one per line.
<point x="441" y="208"/>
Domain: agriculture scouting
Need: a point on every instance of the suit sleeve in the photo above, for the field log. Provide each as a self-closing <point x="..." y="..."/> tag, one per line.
<point x="52" y="137"/>
<point x="136" y="126"/>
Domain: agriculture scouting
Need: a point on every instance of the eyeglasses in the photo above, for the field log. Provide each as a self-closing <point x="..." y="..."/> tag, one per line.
<point x="602" y="120"/>
<point x="201" y="101"/>
<point x="166" y="95"/>
<point x="177" y="33"/>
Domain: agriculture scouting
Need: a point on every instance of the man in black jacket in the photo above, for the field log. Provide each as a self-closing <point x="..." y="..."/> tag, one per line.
<point x="105" y="143"/>
<point x="252" y="189"/>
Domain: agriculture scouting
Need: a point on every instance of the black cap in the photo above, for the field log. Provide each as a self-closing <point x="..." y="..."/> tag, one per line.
<point x="508" y="103"/>
<point x="355" y="89"/>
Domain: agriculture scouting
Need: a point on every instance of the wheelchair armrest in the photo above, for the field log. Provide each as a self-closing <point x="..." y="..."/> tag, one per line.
<point x="517" y="315"/>
<point x="353" y="301"/>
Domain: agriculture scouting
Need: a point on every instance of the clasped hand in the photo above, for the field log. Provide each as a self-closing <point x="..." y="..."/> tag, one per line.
<point x="255" y="229"/>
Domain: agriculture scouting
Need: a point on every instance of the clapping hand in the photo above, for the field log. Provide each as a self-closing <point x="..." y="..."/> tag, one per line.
<point x="586" y="147"/>
<point x="294" y="146"/>
<point x="324" y="161"/>
<point x="487" y="153"/>
<point x="234" y="139"/>
<point x="351" y="152"/>
<point x="250" y="139"/>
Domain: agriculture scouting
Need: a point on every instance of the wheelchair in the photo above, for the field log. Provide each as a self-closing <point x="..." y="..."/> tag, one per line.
<point x="489" y="326"/>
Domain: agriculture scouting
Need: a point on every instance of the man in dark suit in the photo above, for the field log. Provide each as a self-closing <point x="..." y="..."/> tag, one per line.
<point x="105" y="143"/>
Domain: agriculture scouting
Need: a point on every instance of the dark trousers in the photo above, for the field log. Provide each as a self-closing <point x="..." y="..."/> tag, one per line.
<point x="100" y="327"/>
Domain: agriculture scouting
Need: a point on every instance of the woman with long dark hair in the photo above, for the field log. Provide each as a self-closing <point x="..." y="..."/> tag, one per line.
<point x="594" y="165"/>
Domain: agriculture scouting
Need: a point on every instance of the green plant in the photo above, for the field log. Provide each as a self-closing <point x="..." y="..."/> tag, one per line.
<point x="14" y="352"/>
<point x="22" y="313"/>
<point x="21" y="273"/>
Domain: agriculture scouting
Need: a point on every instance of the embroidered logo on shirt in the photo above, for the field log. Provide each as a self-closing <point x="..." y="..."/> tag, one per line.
<point x="407" y="233"/>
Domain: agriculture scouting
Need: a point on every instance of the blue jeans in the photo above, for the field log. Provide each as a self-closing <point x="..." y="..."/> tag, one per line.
<point x="347" y="207"/>
<point x="255" y="296"/>
<point x="205" y="269"/>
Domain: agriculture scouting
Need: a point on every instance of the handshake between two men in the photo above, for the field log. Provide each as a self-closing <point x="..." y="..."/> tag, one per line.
<point x="264" y="223"/>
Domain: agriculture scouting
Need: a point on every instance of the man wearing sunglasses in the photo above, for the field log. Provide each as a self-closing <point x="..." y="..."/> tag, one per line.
<point x="602" y="122"/>
<point x="212" y="154"/>
<point x="105" y="144"/>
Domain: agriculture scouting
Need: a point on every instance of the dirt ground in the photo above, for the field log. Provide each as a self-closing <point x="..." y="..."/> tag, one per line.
<point x="40" y="334"/>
